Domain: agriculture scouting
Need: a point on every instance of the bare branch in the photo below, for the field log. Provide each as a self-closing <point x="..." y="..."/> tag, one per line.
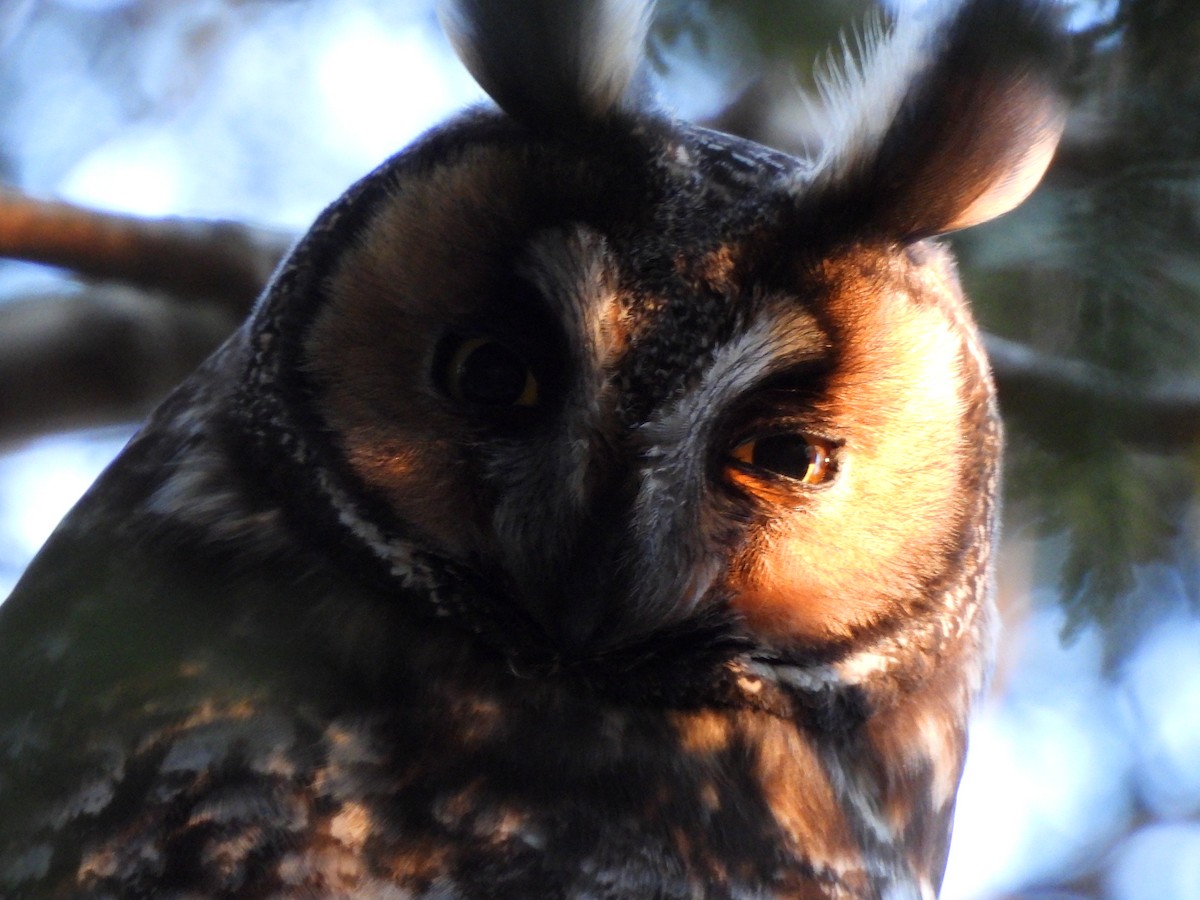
<point x="1063" y="398"/>
<point x="224" y="262"/>
<point x="97" y="357"/>
<point x="109" y="354"/>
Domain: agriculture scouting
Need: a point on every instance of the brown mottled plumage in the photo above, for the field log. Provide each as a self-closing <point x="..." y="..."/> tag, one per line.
<point x="593" y="506"/>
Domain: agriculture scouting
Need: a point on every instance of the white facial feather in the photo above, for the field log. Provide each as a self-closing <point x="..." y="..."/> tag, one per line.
<point x="674" y="481"/>
<point x="860" y="91"/>
<point x="573" y="272"/>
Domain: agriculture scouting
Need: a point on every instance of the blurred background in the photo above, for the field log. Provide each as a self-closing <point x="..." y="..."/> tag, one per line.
<point x="1084" y="773"/>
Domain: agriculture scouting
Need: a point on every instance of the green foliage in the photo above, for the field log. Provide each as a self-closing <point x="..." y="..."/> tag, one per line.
<point x="1115" y="510"/>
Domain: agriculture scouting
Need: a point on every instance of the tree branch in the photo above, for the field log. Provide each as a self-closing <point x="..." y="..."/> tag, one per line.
<point x="97" y="357"/>
<point x="108" y="354"/>
<point x="1061" y="398"/>
<point x="223" y="262"/>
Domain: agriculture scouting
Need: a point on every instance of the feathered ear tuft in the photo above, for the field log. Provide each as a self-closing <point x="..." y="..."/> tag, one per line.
<point x="948" y="122"/>
<point x="550" y="63"/>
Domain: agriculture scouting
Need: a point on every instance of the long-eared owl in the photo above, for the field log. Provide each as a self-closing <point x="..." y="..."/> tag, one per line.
<point x="593" y="505"/>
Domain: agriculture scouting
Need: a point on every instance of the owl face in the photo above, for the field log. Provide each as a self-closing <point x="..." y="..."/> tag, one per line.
<point x="627" y="374"/>
<point x="619" y="435"/>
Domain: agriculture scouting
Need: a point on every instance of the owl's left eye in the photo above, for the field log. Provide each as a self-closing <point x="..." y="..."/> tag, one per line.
<point x="795" y="456"/>
<point x="487" y="372"/>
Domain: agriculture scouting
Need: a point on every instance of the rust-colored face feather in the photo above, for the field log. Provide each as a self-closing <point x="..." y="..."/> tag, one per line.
<point x="594" y="505"/>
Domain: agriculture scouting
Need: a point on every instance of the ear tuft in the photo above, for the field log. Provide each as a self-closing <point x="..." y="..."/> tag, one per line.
<point x="551" y="63"/>
<point x="948" y="122"/>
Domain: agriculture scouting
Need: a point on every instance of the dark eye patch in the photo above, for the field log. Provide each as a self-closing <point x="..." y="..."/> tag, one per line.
<point x="487" y="372"/>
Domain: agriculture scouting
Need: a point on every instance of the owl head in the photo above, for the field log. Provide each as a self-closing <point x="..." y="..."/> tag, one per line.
<point x="579" y="375"/>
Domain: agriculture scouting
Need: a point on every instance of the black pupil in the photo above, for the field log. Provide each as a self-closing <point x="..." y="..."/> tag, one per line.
<point x="784" y="454"/>
<point x="492" y="375"/>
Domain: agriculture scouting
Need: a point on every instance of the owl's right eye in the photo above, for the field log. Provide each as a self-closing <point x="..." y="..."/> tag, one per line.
<point x="487" y="372"/>
<point x="800" y="458"/>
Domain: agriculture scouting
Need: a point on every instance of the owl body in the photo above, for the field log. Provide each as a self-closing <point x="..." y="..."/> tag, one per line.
<point x="593" y="506"/>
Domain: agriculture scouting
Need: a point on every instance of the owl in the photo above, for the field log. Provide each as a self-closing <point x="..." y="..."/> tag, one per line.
<point x="593" y="506"/>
